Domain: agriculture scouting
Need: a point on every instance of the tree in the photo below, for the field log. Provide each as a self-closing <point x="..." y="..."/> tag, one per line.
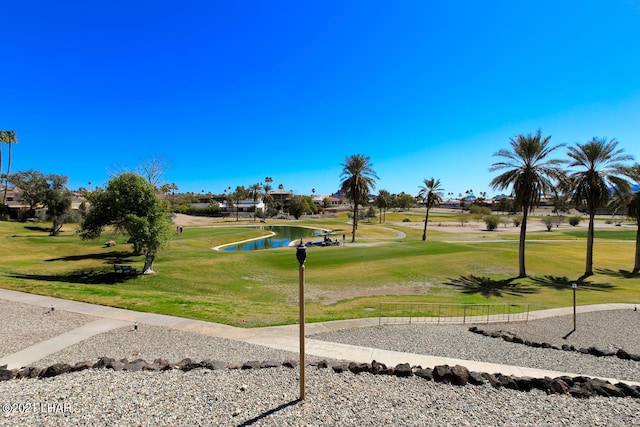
<point x="633" y="210"/>
<point x="383" y="202"/>
<point x="405" y="201"/>
<point x="432" y="194"/>
<point x="530" y="174"/>
<point x="601" y="166"/>
<point x="299" y="205"/>
<point x="7" y="137"/>
<point x="154" y="169"/>
<point x="130" y="204"/>
<point x="357" y="182"/>
<point x="58" y="202"/>
<point x="255" y="190"/>
<point x="33" y="185"/>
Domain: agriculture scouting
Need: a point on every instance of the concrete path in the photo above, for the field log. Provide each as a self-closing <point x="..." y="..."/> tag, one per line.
<point x="278" y="337"/>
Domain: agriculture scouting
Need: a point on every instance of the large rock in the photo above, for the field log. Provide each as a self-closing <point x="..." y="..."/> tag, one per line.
<point x="459" y="375"/>
<point x="403" y="370"/>
<point x="442" y="374"/>
<point x="55" y="369"/>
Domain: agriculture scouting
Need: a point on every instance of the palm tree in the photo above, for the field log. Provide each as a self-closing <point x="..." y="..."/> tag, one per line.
<point x="601" y="164"/>
<point x="7" y="137"/>
<point x="633" y="209"/>
<point x="357" y="182"/>
<point x="383" y="201"/>
<point x="432" y="194"/>
<point x="255" y="189"/>
<point x="530" y="174"/>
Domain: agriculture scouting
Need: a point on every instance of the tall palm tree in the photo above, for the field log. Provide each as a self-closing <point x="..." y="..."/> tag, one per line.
<point x="633" y="206"/>
<point x="7" y="137"/>
<point x="432" y="194"/>
<point x="255" y="190"/>
<point x="601" y="165"/>
<point x="383" y="201"/>
<point x="530" y="173"/>
<point x="357" y="182"/>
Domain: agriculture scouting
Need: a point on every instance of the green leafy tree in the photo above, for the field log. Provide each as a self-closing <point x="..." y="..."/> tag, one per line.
<point x="58" y="202"/>
<point x="432" y="194"/>
<point x="358" y="180"/>
<point x="239" y="194"/>
<point x="405" y="201"/>
<point x="34" y="187"/>
<point x="530" y="173"/>
<point x="601" y="166"/>
<point x="299" y="205"/>
<point x="7" y="137"/>
<point x="130" y="204"/>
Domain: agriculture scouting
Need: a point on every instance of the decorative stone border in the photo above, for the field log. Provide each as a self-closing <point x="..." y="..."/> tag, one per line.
<point x="579" y="387"/>
<point x="593" y="350"/>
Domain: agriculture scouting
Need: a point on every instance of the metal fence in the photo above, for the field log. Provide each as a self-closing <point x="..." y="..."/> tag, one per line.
<point x="433" y="313"/>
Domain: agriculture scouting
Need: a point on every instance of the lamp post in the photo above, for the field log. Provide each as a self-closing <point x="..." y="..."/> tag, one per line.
<point x="574" y="286"/>
<point x="301" y="255"/>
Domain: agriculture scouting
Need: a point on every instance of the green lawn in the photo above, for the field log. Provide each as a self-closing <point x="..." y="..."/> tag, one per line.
<point x="261" y="287"/>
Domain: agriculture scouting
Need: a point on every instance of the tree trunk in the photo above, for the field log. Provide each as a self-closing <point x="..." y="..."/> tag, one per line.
<point x="426" y="220"/>
<point x="148" y="263"/>
<point x="636" y="266"/>
<point x="590" y="233"/>
<point x="6" y="178"/>
<point x="523" y="239"/>
<point x="355" y="221"/>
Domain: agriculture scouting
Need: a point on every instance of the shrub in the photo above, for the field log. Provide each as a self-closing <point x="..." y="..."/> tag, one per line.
<point x="492" y="222"/>
<point x="574" y="220"/>
<point x="406" y="220"/>
<point x="608" y="221"/>
<point x="517" y="220"/>
<point x="548" y="222"/>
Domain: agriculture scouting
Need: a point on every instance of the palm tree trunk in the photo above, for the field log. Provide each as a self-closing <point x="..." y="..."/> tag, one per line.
<point x="426" y="219"/>
<point x="590" y="233"/>
<point x="355" y="221"/>
<point x="523" y="239"/>
<point x="6" y="178"/>
<point x="636" y="267"/>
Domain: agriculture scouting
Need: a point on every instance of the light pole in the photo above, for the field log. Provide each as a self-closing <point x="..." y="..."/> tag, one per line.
<point x="301" y="255"/>
<point x="574" y="286"/>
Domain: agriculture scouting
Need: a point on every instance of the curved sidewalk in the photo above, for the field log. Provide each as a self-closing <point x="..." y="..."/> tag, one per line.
<point x="277" y="337"/>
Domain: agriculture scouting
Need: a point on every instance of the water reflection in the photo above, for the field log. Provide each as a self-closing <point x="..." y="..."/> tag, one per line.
<point x="284" y="235"/>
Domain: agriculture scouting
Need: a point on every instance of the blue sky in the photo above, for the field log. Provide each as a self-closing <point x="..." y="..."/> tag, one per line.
<point x="232" y="92"/>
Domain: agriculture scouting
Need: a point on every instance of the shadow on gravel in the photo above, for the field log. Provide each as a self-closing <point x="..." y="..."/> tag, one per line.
<point x="88" y="277"/>
<point x="264" y="415"/>
<point x="625" y="274"/>
<point x="115" y="256"/>
<point x="561" y="283"/>
<point x="488" y="287"/>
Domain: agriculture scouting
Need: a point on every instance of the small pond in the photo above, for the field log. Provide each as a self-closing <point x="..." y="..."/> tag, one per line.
<point x="284" y="235"/>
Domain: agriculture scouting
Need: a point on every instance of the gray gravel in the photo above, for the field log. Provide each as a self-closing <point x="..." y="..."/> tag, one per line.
<point x="25" y="325"/>
<point x="610" y="329"/>
<point x="268" y="396"/>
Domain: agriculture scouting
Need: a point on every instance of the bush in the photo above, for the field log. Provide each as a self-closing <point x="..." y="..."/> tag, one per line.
<point x="406" y="220"/>
<point x="492" y="222"/>
<point x="548" y="222"/>
<point x="574" y="220"/>
<point x="517" y="220"/>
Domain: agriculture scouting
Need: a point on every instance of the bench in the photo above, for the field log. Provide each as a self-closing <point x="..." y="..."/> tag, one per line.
<point x="125" y="269"/>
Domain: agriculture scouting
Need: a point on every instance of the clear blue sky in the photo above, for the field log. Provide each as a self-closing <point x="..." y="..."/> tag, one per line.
<point x="231" y="92"/>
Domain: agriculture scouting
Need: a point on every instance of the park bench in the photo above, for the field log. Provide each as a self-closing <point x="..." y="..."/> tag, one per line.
<point x="125" y="269"/>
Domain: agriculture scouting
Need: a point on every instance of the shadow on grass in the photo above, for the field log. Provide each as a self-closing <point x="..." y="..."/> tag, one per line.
<point x="625" y="274"/>
<point x="87" y="277"/>
<point x="563" y="283"/>
<point x="114" y="256"/>
<point x="37" y="228"/>
<point x="488" y="287"/>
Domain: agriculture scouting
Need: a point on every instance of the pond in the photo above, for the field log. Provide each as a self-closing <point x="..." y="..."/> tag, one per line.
<point x="283" y="237"/>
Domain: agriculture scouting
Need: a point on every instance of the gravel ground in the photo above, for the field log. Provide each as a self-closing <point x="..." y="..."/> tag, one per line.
<point x="25" y="325"/>
<point x="610" y="329"/>
<point x="268" y="396"/>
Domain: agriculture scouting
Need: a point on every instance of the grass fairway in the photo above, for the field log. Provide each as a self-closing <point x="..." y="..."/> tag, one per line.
<point x="389" y="262"/>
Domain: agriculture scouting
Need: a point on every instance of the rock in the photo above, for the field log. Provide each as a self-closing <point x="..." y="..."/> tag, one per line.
<point x="55" y="369"/>
<point x="7" y="374"/>
<point x="459" y="375"/>
<point x="270" y="364"/>
<point x="558" y="386"/>
<point x="340" y="367"/>
<point x="427" y="373"/>
<point x="290" y="363"/>
<point x="403" y="370"/>
<point x="623" y="354"/>
<point x="213" y="364"/>
<point x="28" y="372"/>
<point x="442" y="374"/>
<point x="476" y="378"/>
<point x="103" y="362"/>
<point x="356" y="368"/>
<point x="81" y="366"/>
<point x="135" y="366"/>
<point x="377" y="367"/>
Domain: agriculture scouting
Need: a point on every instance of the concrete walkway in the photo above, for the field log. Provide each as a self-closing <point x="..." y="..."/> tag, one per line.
<point x="278" y="337"/>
